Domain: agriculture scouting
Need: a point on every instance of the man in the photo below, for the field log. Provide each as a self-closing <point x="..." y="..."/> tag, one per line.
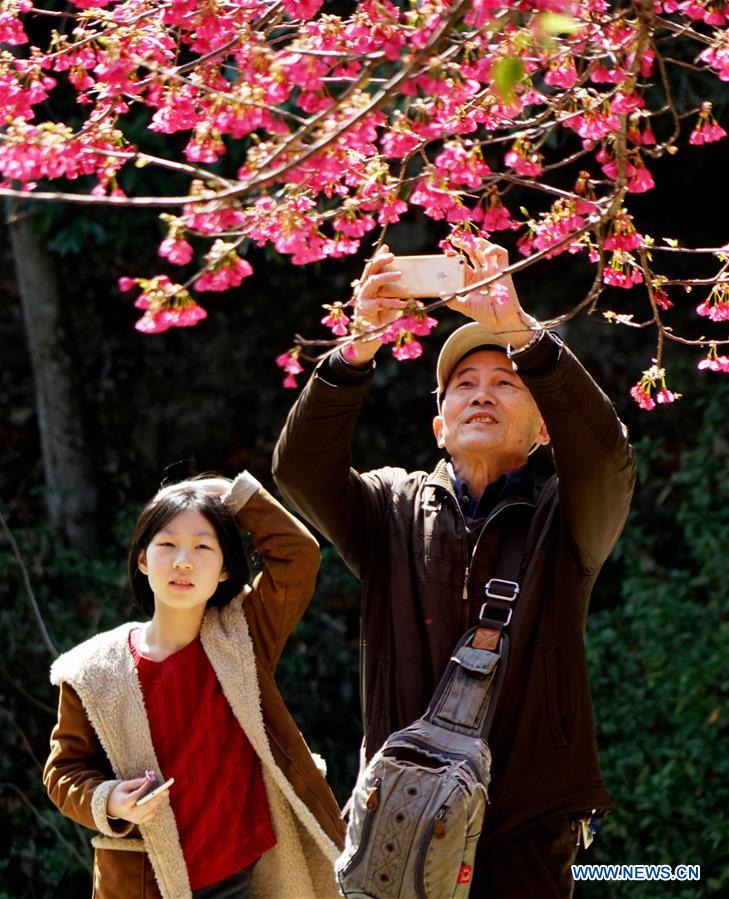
<point x="424" y="545"/>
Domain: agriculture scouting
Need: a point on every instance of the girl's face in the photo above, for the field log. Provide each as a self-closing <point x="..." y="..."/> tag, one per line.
<point x="184" y="561"/>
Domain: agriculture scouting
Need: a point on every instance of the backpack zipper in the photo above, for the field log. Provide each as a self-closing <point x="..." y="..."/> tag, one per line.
<point x="371" y="808"/>
<point x="423" y="850"/>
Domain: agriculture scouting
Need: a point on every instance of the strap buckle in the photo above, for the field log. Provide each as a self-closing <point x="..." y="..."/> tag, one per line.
<point x="509" y="590"/>
<point x="496" y="612"/>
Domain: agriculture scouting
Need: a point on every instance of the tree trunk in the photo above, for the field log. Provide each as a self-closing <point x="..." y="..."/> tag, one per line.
<point x="71" y="494"/>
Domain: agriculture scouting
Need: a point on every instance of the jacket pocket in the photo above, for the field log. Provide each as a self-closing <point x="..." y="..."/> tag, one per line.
<point x="556" y="698"/>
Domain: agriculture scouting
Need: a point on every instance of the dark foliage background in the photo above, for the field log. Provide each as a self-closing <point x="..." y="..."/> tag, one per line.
<point x="210" y="398"/>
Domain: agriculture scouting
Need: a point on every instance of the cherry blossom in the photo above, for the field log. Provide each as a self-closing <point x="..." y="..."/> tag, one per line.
<point x="311" y="131"/>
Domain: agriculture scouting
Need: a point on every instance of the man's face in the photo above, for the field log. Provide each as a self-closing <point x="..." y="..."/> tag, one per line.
<point x="488" y="412"/>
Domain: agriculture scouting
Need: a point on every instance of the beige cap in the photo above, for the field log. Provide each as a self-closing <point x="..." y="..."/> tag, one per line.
<point x="464" y="340"/>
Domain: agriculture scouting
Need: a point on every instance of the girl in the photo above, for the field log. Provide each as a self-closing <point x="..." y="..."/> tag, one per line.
<point x="190" y="695"/>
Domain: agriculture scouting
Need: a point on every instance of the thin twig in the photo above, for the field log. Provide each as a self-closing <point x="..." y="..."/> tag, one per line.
<point x="47" y="822"/>
<point x="28" y="588"/>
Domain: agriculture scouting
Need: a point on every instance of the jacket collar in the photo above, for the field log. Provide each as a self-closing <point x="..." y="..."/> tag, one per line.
<point x="539" y="469"/>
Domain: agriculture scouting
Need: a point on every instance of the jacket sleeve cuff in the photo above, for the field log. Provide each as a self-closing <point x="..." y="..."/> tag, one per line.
<point x="104" y="825"/>
<point x="338" y="372"/>
<point x="539" y="357"/>
<point x="241" y="490"/>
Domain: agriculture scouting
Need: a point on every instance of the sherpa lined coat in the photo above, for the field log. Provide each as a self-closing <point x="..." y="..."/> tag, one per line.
<point x="102" y="735"/>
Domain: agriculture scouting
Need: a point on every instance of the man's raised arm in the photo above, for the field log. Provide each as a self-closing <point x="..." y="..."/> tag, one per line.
<point x="312" y="458"/>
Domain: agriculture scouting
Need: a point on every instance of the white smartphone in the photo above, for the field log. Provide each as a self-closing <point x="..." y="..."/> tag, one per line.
<point x="155" y="792"/>
<point x="426" y="276"/>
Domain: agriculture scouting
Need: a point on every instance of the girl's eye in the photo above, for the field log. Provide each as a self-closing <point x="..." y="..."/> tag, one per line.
<point x="203" y="546"/>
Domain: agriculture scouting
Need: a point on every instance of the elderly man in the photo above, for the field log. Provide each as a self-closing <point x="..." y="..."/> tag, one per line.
<point x="425" y="544"/>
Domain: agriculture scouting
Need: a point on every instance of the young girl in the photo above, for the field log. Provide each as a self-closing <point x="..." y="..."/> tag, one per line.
<point x="190" y="695"/>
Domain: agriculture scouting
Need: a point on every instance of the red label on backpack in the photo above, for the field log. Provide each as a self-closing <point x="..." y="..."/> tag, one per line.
<point x="464" y="875"/>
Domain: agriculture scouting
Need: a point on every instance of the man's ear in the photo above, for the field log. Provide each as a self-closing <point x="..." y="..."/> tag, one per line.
<point x="142" y="562"/>
<point x="543" y="435"/>
<point x="438" y="431"/>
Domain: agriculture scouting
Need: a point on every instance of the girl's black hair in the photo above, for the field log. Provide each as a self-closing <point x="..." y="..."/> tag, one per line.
<point x="159" y="511"/>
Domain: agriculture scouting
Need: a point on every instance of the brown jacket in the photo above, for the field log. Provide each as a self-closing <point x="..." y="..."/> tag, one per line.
<point x="102" y="735"/>
<point x="403" y="534"/>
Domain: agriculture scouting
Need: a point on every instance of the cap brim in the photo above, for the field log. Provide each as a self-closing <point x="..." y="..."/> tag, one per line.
<point x="461" y="342"/>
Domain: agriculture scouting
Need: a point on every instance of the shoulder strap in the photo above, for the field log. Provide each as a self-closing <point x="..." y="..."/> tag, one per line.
<point x="467" y="694"/>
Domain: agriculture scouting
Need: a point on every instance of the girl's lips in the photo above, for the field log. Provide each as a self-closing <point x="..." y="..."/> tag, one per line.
<point x="181" y="585"/>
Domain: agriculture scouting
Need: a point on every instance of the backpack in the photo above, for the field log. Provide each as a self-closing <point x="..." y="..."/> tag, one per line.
<point x="418" y="807"/>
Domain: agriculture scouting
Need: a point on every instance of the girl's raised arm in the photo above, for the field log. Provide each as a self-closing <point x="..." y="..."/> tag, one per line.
<point x="282" y="590"/>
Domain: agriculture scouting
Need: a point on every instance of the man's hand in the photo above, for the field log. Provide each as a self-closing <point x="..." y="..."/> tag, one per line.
<point x="122" y="801"/>
<point x="372" y="305"/>
<point x="497" y="306"/>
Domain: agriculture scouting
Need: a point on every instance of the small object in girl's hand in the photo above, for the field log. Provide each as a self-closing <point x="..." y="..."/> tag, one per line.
<point x="155" y="792"/>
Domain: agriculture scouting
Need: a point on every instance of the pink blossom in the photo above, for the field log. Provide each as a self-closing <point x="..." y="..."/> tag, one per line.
<point x="641" y="181"/>
<point x="714" y="362"/>
<point x="523" y="161"/>
<point x="396" y="144"/>
<point x="496" y="216"/>
<point x="126" y="284"/>
<point x="289" y="362"/>
<point x="225" y="269"/>
<point x="716" y="305"/>
<point x="661" y="298"/>
<point x="11" y="29"/>
<point x="352" y="225"/>
<point x="391" y="210"/>
<point x="622" y="271"/>
<point x="562" y="73"/>
<point x="336" y="319"/>
<point x="707" y="129"/>
<point x="623" y="235"/>
<point x="302" y="9"/>
<point x="666" y="396"/>
<point x="406" y="347"/>
<point x="621" y="104"/>
<point x="602" y="75"/>
<point x="458" y="164"/>
<point x="653" y="378"/>
<point x="642" y="397"/>
<point x="176" y="250"/>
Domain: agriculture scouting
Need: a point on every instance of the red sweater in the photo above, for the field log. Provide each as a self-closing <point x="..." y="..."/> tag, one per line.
<point x="218" y="797"/>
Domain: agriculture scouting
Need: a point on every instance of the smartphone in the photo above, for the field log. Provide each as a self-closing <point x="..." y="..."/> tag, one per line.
<point x="426" y="276"/>
<point x="156" y="791"/>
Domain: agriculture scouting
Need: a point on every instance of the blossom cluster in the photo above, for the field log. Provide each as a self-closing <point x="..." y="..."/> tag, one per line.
<point x="307" y="131"/>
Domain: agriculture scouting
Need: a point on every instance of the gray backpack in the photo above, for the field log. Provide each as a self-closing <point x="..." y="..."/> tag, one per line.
<point x="418" y="807"/>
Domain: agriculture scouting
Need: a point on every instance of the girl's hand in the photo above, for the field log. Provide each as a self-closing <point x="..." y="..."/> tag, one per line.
<point x="496" y="306"/>
<point x="122" y="801"/>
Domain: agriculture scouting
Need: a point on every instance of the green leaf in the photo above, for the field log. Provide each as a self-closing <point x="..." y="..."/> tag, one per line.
<point x="558" y="23"/>
<point x="506" y="74"/>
